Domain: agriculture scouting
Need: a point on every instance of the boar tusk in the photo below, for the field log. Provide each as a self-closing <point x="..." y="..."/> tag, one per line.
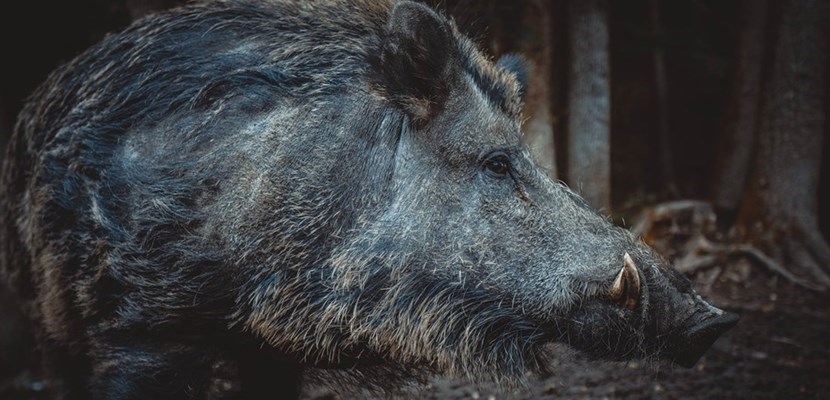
<point x="626" y="288"/>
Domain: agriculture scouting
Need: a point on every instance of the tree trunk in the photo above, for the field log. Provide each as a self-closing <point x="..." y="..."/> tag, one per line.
<point x="537" y="46"/>
<point x="665" y="148"/>
<point x="589" y="117"/>
<point x="779" y="213"/>
<point x="741" y="114"/>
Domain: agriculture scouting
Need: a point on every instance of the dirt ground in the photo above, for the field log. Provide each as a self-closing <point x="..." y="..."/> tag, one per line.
<point x="779" y="350"/>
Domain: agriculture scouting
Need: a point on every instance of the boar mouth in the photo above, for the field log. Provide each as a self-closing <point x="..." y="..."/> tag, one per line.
<point x="694" y="342"/>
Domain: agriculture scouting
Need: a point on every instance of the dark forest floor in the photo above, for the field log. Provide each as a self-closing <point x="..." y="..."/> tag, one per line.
<point x="779" y="350"/>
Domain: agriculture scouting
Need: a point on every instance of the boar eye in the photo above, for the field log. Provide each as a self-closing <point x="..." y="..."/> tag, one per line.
<point x="498" y="165"/>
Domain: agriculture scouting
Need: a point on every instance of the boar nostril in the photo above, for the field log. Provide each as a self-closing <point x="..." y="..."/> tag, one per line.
<point x="626" y="288"/>
<point x="697" y="339"/>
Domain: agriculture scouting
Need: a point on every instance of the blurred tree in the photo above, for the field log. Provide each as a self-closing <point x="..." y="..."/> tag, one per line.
<point x="537" y="46"/>
<point x="766" y="183"/>
<point x="664" y="134"/>
<point x="589" y="102"/>
<point x="779" y="211"/>
<point x="741" y="114"/>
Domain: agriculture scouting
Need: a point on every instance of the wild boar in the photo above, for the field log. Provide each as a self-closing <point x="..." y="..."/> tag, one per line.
<point x="298" y="184"/>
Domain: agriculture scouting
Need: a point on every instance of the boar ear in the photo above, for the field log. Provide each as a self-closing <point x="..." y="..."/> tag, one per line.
<point x="517" y="65"/>
<point x="413" y="62"/>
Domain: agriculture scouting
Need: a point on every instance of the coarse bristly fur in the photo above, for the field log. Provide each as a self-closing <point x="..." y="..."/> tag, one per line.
<point x="307" y="184"/>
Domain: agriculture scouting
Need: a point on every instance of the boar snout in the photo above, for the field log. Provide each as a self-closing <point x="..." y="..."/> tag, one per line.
<point x="655" y="309"/>
<point x="699" y="335"/>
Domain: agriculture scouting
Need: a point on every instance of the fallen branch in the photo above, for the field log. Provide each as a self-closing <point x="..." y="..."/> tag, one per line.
<point x="698" y="252"/>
